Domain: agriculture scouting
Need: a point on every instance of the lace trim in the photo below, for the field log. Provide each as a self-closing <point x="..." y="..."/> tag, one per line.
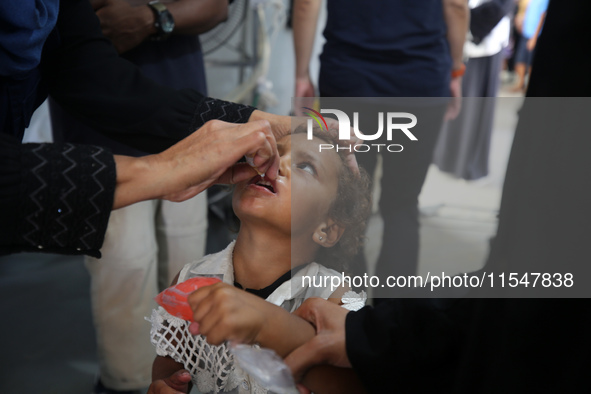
<point x="354" y="301"/>
<point x="211" y="367"/>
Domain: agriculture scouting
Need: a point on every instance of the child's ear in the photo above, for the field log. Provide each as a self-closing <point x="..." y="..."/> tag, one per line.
<point x="328" y="233"/>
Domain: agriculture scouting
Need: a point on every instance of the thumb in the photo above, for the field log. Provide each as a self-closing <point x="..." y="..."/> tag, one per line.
<point x="304" y="357"/>
<point x="179" y="380"/>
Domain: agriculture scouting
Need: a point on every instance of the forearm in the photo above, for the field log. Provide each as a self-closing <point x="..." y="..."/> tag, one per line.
<point x="457" y="19"/>
<point x="87" y="77"/>
<point x="163" y="367"/>
<point x="284" y="332"/>
<point x="138" y="179"/>
<point x="193" y="17"/>
<point x="540" y="25"/>
<point x="305" y="20"/>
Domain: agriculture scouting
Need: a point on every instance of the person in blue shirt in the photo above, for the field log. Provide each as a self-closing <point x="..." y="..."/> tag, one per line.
<point x="389" y="49"/>
<point x="533" y="22"/>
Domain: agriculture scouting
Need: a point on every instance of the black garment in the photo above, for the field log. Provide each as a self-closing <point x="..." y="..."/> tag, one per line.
<point x="508" y="345"/>
<point x="265" y="292"/>
<point x="176" y="63"/>
<point x="402" y="181"/>
<point x="486" y="16"/>
<point x="394" y="48"/>
<point x="54" y="198"/>
<point x="83" y="72"/>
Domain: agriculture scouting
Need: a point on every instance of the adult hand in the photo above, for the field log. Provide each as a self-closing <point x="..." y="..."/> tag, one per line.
<point x="202" y="159"/>
<point x="208" y="155"/>
<point x="281" y="125"/>
<point x="125" y="25"/>
<point x="304" y="87"/>
<point x="224" y="313"/>
<point x="177" y="383"/>
<point x="455" y="105"/>
<point x="328" y="346"/>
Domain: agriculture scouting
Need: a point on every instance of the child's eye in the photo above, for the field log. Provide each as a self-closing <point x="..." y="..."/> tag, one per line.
<point x="308" y="167"/>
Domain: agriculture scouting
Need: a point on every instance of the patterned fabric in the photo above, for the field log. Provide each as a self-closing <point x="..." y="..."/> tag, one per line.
<point x="67" y="195"/>
<point x="211" y="108"/>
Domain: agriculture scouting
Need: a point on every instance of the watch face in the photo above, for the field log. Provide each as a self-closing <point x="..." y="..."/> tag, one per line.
<point x="166" y="22"/>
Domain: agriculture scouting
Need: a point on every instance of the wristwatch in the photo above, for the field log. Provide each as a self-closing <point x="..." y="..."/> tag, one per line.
<point x="164" y="22"/>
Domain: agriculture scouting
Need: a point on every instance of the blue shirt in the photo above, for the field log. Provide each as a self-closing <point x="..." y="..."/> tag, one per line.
<point x="533" y="13"/>
<point x="385" y="48"/>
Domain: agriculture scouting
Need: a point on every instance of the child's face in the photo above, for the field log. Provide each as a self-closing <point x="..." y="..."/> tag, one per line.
<point x="306" y="175"/>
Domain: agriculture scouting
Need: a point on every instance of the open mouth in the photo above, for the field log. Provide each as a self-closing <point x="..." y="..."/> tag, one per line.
<point x="263" y="183"/>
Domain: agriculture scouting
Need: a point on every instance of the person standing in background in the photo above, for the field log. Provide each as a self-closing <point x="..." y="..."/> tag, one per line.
<point x="146" y="243"/>
<point x="533" y="20"/>
<point x="389" y="49"/>
<point x="464" y="143"/>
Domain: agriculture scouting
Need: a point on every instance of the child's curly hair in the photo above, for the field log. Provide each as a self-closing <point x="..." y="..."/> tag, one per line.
<point x="350" y="210"/>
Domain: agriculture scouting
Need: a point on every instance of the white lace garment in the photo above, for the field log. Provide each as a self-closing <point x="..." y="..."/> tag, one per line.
<point x="212" y="367"/>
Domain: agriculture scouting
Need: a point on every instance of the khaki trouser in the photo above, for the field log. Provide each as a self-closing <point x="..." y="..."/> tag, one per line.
<point x="146" y="245"/>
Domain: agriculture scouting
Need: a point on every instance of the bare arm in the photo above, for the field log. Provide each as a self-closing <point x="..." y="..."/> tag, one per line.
<point x="457" y="18"/>
<point x="531" y="43"/>
<point x="129" y="25"/>
<point x="192" y="165"/>
<point x="305" y="19"/>
<point x="223" y="313"/>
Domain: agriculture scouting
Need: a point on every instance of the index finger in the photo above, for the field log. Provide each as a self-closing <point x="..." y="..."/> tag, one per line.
<point x="196" y="298"/>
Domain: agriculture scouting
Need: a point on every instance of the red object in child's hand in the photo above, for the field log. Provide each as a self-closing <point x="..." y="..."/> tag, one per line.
<point x="174" y="299"/>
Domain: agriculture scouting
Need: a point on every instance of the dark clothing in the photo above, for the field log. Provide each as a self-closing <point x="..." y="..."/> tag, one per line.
<point x="54" y="198"/>
<point x="508" y="345"/>
<point x="403" y="176"/>
<point x="176" y="63"/>
<point x="486" y="16"/>
<point x="471" y="346"/>
<point x="83" y="72"/>
<point x="394" y="48"/>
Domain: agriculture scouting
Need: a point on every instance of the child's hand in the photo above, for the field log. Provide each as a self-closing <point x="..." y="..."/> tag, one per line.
<point x="177" y="383"/>
<point x="225" y="313"/>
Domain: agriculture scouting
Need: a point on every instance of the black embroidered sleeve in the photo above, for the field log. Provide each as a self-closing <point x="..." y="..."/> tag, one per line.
<point x="62" y="201"/>
<point x="211" y="108"/>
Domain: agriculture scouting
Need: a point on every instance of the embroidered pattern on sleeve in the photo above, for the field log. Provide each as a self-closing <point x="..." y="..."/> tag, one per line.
<point x="211" y="108"/>
<point x="68" y="191"/>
